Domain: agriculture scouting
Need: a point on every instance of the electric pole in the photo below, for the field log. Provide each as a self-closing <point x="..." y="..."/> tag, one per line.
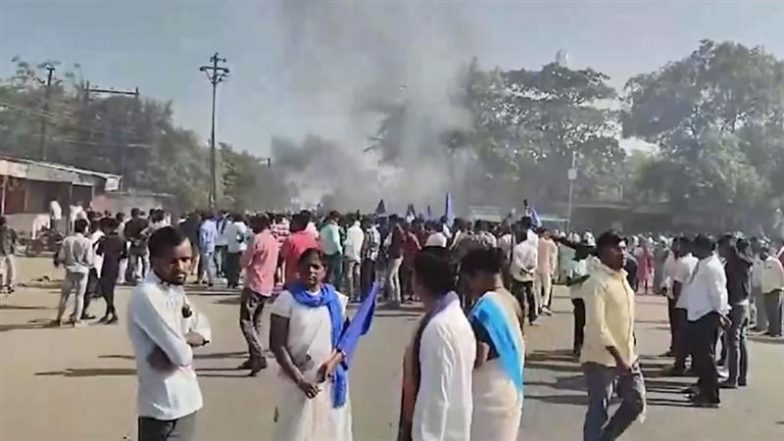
<point x="215" y="74"/>
<point x="50" y="68"/>
<point x="130" y="93"/>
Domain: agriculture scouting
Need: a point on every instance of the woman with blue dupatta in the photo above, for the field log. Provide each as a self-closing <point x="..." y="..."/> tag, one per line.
<point x="307" y="321"/>
<point x="496" y="319"/>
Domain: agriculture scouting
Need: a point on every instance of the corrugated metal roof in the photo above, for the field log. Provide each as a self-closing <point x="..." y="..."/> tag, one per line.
<point x="53" y="172"/>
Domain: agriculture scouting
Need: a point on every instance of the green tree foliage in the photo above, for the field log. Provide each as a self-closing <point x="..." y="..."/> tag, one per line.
<point x="134" y="137"/>
<point x="717" y="117"/>
<point x="527" y="125"/>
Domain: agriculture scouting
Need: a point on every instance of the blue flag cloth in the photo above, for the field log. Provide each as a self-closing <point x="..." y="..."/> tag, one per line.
<point x="358" y="326"/>
<point x="381" y="209"/>
<point x="535" y="220"/>
<point x="327" y="297"/>
<point x="489" y="315"/>
<point x="449" y="210"/>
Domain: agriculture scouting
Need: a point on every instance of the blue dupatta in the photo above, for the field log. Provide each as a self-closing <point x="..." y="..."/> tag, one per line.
<point x="491" y="317"/>
<point x="344" y="341"/>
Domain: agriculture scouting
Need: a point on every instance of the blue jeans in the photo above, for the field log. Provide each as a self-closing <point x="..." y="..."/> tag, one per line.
<point x="601" y="383"/>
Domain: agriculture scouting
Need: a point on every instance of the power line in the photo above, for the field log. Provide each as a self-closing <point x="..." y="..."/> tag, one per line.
<point x="215" y="74"/>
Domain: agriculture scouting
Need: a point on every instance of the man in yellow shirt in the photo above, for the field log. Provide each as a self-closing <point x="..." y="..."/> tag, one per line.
<point x="609" y="355"/>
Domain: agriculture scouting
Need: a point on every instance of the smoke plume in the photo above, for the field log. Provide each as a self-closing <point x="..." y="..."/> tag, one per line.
<point x="339" y="64"/>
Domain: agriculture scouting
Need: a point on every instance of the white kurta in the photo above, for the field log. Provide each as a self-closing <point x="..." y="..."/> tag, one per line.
<point x="498" y="405"/>
<point x="446" y="355"/>
<point x="300" y="418"/>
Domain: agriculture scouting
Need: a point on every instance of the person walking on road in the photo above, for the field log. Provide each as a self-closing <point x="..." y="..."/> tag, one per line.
<point x="609" y="355"/>
<point x="706" y="308"/>
<point x="260" y="261"/>
<point x="77" y="256"/>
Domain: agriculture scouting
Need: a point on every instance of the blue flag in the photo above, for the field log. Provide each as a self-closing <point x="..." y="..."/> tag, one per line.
<point x="358" y="326"/>
<point x="381" y="209"/>
<point x="535" y="221"/>
<point x="449" y="210"/>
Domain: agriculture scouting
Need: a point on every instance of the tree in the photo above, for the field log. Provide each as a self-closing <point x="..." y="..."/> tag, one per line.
<point x="717" y="117"/>
<point x="136" y="138"/>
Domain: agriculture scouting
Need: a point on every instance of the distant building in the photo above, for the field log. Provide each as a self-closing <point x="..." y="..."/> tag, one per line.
<point x="562" y="58"/>
<point x="27" y="188"/>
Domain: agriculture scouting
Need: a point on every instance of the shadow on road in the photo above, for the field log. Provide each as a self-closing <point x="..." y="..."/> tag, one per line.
<point x="32" y="324"/>
<point x="209" y="356"/>
<point x="89" y="372"/>
<point x="22" y="308"/>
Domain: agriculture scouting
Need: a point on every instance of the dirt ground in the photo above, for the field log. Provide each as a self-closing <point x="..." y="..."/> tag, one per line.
<point x="79" y="384"/>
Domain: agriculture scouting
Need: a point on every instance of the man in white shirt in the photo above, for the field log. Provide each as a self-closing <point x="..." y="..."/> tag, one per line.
<point x="547" y="260"/>
<point x="772" y="286"/>
<point x="759" y="321"/>
<point x="707" y="307"/>
<point x="679" y="277"/>
<point x="77" y="256"/>
<point x="163" y="327"/>
<point x="438" y="403"/>
<point x="55" y="215"/>
<point x="236" y="235"/>
<point x="355" y="237"/>
<point x="437" y="238"/>
<point x="522" y="269"/>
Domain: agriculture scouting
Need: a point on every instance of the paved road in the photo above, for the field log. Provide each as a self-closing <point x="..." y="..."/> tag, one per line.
<point x="79" y="384"/>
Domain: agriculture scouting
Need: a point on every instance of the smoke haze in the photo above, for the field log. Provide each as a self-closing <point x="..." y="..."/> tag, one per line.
<point x="339" y="64"/>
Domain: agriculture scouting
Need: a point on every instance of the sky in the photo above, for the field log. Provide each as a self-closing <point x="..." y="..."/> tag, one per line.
<point x="158" y="47"/>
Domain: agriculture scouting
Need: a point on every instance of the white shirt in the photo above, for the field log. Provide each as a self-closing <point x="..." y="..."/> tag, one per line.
<point x="354" y="239"/>
<point x="98" y="260"/>
<point x="155" y="319"/>
<point x="505" y="243"/>
<point x="524" y="261"/>
<point x="444" y="403"/>
<point x="436" y="239"/>
<point x="707" y="290"/>
<point x="236" y="237"/>
<point x="668" y="271"/>
<point x="756" y="272"/>
<point x="772" y="275"/>
<point x="55" y="211"/>
<point x="681" y="273"/>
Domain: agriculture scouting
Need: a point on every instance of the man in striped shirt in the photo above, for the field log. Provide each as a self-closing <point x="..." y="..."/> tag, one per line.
<point x="280" y="229"/>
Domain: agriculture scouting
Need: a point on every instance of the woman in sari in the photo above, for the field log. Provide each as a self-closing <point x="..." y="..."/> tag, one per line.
<point x="496" y="319"/>
<point x="307" y="321"/>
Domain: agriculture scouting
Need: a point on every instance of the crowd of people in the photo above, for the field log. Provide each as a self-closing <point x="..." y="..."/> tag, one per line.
<point x="478" y="282"/>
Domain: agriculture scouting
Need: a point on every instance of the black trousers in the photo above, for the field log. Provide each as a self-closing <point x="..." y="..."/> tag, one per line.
<point x="524" y="293"/>
<point x="683" y="338"/>
<point x="92" y="290"/>
<point x="232" y="269"/>
<point x="704" y="333"/>
<point x="671" y="316"/>
<point x="579" y="324"/>
<point x="181" y="429"/>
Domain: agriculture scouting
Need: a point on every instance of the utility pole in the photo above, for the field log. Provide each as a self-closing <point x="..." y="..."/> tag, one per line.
<point x="215" y="74"/>
<point x="134" y="93"/>
<point x="50" y="68"/>
<point x="572" y="176"/>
